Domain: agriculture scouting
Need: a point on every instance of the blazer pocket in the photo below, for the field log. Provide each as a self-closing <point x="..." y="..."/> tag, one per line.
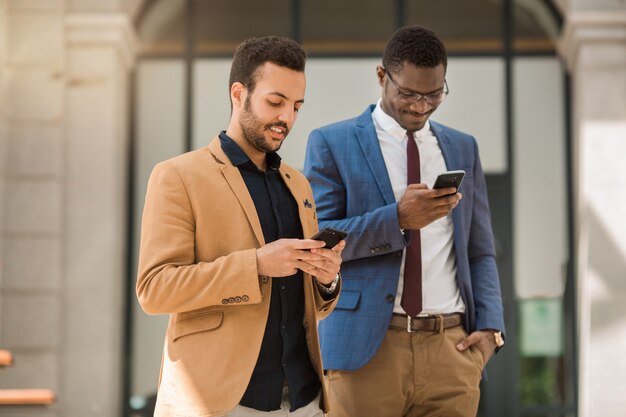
<point x="348" y="300"/>
<point x="202" y="322"/>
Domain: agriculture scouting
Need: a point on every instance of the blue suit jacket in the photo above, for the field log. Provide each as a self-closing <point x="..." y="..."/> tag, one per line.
<point x="353" y="192"/>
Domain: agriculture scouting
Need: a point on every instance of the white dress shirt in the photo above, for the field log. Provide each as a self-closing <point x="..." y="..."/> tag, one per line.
<point x="440" y="293"/>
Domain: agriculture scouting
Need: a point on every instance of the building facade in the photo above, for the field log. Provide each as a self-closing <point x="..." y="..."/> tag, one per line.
<point x="75" y="97"/>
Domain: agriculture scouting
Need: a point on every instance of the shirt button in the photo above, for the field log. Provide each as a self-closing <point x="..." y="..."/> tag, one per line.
<point x="282" y="287"/>
<point x="284" y="365"/>
<point x="390" y="298"/>
<point x="283" y="327"/>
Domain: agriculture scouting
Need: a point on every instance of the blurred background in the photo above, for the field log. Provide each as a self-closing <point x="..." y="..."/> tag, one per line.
<point x="93" y="93"/>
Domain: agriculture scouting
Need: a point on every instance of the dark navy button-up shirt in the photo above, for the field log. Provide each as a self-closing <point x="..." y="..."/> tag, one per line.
<point x="284" y="356"/>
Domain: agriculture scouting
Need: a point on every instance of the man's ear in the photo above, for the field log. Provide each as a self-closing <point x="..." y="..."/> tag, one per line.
<point x="238" y="94"/>
<point x="380" y="74"/>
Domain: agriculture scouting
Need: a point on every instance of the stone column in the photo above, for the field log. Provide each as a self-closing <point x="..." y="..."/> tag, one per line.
<point x="100" y="51"/>
<point x="64" y="114"/>
<point x="594" y="46"/>
<point x="32" y="226"/>
<point x="3" y="153"/>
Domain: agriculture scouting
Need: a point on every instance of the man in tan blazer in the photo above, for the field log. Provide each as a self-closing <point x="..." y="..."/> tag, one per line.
<point x="222" y="252"/>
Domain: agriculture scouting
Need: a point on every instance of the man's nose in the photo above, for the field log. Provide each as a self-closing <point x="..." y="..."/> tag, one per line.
<point x="421" y="106"/>
<point x="288" y="116"/>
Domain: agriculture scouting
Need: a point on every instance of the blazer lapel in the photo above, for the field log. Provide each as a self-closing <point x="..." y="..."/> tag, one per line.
<point x="302" y="200"/>
<point x="453" y="161"/>
<point x="236" y="183"/>
<point x="365" y="133"/>
<point x="451" y="153"/>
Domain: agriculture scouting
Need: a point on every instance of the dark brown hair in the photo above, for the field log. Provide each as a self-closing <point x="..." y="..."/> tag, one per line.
<point x="254" y="52"/>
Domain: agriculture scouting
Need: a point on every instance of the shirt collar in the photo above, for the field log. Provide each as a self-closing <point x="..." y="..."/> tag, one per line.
<point x="393" y="128"/>
<point x="239" y="158"/>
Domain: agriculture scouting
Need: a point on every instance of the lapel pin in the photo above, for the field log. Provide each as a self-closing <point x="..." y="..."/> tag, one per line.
<point x="308" y="204"/>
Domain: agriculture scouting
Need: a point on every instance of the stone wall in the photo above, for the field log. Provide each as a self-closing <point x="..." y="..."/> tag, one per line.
<point x="32" y="324"/>
<point x="64" y="148"/>
<point x="594" y="46"/>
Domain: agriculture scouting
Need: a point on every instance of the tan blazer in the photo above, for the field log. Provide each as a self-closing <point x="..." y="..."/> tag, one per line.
<point x="197" y="262"/>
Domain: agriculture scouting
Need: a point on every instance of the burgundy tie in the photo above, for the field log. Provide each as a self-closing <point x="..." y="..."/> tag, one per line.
<point x="412" y="291"/>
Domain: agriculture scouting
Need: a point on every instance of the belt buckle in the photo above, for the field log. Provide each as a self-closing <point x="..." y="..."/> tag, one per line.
<point x="410" y="319"/>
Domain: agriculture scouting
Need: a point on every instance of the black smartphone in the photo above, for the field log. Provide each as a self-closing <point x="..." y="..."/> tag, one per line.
<point x="449" y="179"/>
<point x="330" y="236"/>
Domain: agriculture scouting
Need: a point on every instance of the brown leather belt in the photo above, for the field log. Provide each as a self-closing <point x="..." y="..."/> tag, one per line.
<point x="431" y="323"/>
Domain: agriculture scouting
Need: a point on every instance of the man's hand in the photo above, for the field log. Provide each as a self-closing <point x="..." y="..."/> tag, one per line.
<point x="284" y="257"/>
<point x="419" y="206"/>
<point x="483" y="340"/>
<point x="325" y="271"/>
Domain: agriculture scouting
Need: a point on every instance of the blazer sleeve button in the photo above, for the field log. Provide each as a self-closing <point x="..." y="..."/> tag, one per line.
<point x="231" y="300"/>
<point x="237" y="299"/>
<point x="245" y="298"/>
<point x="224" y="301"/>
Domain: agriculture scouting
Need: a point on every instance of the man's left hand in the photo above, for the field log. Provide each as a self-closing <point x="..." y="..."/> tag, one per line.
<point x="327" y="269"/>
<point x="483" y="340"/>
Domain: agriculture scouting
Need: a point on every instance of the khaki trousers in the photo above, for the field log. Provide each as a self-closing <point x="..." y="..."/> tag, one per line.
<point x="417" y="374"/>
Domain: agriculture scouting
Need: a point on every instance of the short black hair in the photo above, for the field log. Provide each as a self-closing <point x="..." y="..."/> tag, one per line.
<point x="417" y="45"/>
<point x="254" y="52"/>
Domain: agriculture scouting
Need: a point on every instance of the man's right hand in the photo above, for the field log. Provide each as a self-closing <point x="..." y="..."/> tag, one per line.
<point x="419" y="206"/>
<point x="283" y="257"/>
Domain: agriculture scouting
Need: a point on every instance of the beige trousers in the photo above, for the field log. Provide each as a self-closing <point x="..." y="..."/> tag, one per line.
<point x="417" y="374"/>
<point x="310" y="410"/>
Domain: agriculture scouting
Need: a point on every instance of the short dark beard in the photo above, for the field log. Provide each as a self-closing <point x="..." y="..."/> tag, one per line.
<point x="252" y="129"/>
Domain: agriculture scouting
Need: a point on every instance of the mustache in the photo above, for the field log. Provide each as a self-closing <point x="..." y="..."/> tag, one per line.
<point x="414" y="113"/>
<point x="279" y="124"/>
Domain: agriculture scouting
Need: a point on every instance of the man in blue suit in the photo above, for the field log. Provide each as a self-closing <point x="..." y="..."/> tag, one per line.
<point x="420" y="312"/>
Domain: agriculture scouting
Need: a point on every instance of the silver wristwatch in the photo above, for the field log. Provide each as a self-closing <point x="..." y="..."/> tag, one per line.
<point x="331" y="288"/>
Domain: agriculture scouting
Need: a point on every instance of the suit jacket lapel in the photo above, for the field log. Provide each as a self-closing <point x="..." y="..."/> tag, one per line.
<point x="453" y="161"/>
<point x="365" y="132"/>
<point x="300" y="195"/>
<point x="450" y="153"/>
<point x="236" y="183"/>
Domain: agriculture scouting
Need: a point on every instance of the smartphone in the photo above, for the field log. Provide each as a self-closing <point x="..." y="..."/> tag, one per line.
<point x="449" y="179"/>
<point x="330" y="236"/>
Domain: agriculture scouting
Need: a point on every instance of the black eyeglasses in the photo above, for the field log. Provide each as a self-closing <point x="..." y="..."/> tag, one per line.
<point x="431" y="99"/>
